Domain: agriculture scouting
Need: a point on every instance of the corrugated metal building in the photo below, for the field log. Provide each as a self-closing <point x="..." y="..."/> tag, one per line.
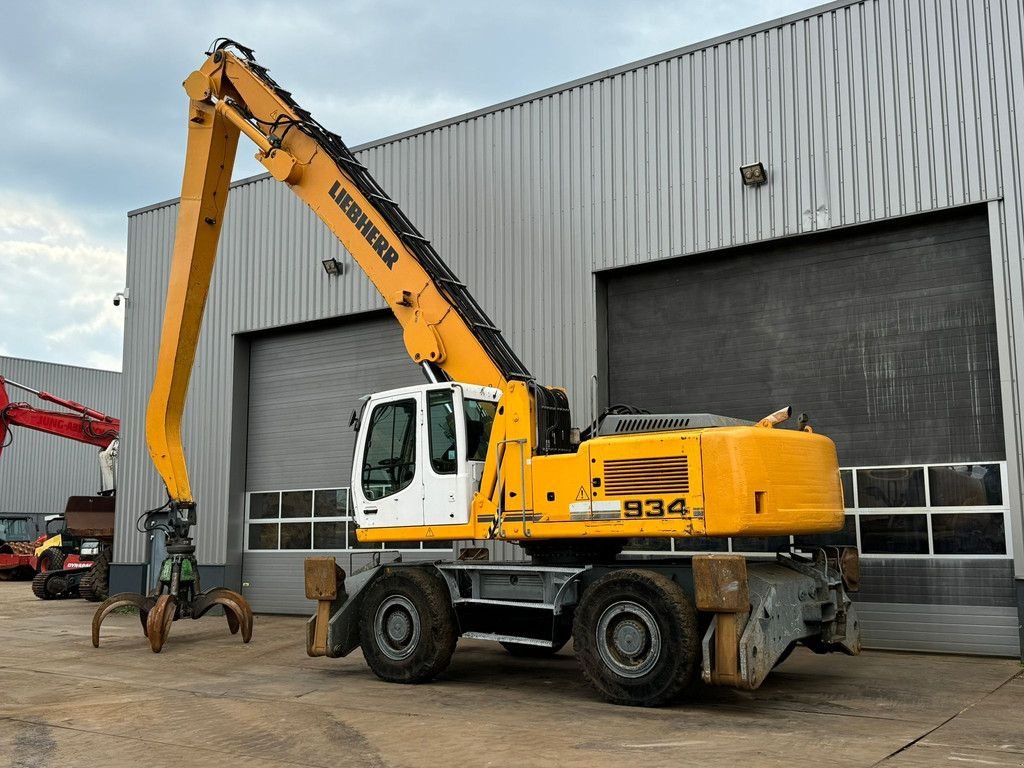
<point x="874" y="281"/>
<point x="38" y="472"/>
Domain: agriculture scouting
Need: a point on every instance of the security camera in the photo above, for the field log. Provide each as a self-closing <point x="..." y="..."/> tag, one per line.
<point x="120" y="295"/>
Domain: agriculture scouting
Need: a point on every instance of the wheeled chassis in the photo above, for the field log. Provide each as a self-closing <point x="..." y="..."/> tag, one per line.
<point x="750" y="612"/>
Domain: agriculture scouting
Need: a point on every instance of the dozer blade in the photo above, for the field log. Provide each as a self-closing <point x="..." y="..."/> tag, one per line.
<point x="120" y="600"/>
<point x="236" y="609"/>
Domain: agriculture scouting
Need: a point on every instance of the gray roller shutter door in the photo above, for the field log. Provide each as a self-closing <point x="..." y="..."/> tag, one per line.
<point x="303" y="387"/>
<point x="884" y="334"/>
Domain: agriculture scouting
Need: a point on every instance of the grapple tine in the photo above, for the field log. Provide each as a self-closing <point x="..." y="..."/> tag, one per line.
<point x="236" y="608"/>
<point x="112" y="603"/>
<point x="232" y="622"/>
<point x="159" y="621"/>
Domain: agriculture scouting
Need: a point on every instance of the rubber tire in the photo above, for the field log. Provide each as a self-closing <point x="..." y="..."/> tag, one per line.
<point x="675" y="671"/>
<point x="51" y="560"/>
<point x="524" y="651"/>
<point x="430" y="597"/>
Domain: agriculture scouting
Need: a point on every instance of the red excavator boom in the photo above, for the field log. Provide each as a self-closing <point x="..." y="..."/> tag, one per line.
<point x="80" y="422"/>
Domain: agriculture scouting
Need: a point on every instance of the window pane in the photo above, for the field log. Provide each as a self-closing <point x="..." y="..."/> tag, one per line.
<point x="846" y="537"/>
<point x="965" y="485"/>
<point x="894" y="534"/>
<point x="295" y="535"/>
<point x="263" y="536"/>
<point x="329" y="535"/>
<point x="443" y="457"/>
<point x="330" y="503"/>
<point x="297" y="504"/>
<point x="479" y="420"/>
<point x="389" y="462"/>
<point x="846" y="476"/>
<point x="354" y="543"/>
<point x="701" y="544"/>
<point x="263" y="506"/>
<point x="648" y="545"/>
<point x="900" y="487"/>
<point x="759" y="543"/>
<point x="969" y="533"/>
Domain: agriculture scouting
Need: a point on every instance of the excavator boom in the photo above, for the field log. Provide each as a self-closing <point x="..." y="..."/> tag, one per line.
<point x="445" y="330"/>
<point x="80" y="422"/>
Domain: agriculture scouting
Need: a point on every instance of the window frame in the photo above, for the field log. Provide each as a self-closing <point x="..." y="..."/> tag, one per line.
<point x="856" y="511"/>
<point x="312" y="519"/>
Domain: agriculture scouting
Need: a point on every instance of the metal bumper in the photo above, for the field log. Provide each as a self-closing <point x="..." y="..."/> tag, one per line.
<point x="796" y="599"/>
<point x="333" y="630"/>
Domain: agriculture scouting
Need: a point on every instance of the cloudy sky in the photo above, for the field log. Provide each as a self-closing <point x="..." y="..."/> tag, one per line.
<point x="94" y="111"/>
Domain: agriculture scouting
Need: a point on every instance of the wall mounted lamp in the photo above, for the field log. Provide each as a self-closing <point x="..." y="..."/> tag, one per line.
<point x="333" y="267"/>
<point x="753" y="175"/>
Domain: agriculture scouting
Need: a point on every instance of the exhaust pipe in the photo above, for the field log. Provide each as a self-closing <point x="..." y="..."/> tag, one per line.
<point x="776" y="418"/>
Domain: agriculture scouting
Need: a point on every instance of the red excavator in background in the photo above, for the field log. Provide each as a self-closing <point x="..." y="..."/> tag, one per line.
<point x="74" y="560"/>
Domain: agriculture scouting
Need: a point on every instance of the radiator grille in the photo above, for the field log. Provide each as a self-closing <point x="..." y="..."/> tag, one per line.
<point x="658" y="475"/>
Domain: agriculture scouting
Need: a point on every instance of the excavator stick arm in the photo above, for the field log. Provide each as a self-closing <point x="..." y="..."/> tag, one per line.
<point x="444" y="328"/>
<point x="86" y="426"/>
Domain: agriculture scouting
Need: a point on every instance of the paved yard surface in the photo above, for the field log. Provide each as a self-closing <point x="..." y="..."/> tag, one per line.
<point x="210" y="700"/>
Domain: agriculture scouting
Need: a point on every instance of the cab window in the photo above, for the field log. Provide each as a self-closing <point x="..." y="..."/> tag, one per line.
<point x="389" y="459"/>
<point x="479" y="420"/>
<point x="443" y="447"/>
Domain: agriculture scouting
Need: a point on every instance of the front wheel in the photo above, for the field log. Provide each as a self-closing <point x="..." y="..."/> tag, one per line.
<point x="407" y="626"/>
<point x="636" y="638"/>
<point x="50" y="560"/>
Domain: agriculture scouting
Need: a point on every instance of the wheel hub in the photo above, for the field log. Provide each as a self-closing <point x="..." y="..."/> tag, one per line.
<point x="628" y="639"/>
<point x="397" y="627"/>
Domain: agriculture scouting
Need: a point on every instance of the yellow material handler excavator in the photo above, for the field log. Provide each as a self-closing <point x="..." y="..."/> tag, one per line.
<point x="483" y="451"/>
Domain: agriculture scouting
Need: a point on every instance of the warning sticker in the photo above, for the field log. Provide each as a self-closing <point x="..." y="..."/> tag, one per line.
<point x="582" y="495"/>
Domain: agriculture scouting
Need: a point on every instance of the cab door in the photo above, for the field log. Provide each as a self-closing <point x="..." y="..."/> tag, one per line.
<point x="445" y="476"/>
<point x="387" y="475"/>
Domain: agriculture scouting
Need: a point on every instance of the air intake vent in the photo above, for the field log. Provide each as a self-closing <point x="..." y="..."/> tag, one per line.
<point x="631" y="424"/>
<point x="652" y="424"/>
<point x="668" y="474"/>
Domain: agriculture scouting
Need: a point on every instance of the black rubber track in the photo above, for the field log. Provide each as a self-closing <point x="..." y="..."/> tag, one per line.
<point x="95" y="585"/>
<point x="438" y="634"/>
<point x="675" y="671"/>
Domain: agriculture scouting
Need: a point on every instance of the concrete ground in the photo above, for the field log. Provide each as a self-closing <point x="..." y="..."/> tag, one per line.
<point x="210" y="700"/>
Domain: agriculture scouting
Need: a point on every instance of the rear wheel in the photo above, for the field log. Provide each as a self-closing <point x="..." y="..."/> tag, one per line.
<point x="407" y="627"/>
<point x="636" y="638"/>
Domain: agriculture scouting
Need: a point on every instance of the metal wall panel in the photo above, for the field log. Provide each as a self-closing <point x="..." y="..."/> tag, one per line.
<point x="978" y="582"/>
<point x="860" y="111"/>
<point x="38" y="471"/>
<point x="940" y="628"/>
